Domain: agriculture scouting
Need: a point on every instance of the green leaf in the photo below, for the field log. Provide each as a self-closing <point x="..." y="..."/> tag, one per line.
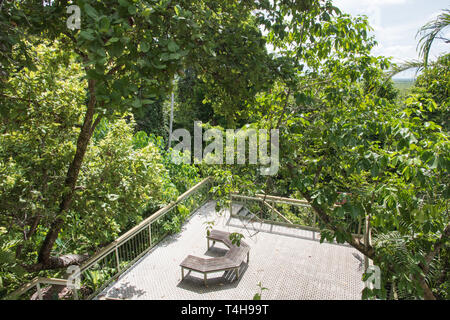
<point x="434" y="161"/>
<point x="175" y="56"/>
<point x="147" y="101"/>
<point x="172" y="46"/>
<point x="87" y="35"/>
<point x="90" y="11"/>
<point x="375" y="170"/>
<point x="112" y="40"/>
<point x="300" y="98"/>
<point x="144" y="47"/>
<point x="147" y="12"/>
<point x="177" y="10"/>
<point x="137" y="103"/>
<point x="92" y="74"/>
<point x="132" y="9"/>
<point x="104" y="24"/>
<point x="165" y="56"/>
<point x="354" y="211"/>
<point x="160" y="66"/>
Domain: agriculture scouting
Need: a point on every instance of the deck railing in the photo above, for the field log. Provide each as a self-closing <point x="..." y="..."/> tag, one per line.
<point x="293" y="213"/>
<point x="286" y="212"/>
<point x="110" y="262"/>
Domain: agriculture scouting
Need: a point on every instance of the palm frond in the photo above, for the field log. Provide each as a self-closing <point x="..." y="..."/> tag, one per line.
<point x="430" y="32"/>
<point x="412" y="64"/>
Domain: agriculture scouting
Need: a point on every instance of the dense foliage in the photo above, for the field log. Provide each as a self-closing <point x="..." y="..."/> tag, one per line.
<point x="349" y="141"/>
<point x="126" y="174"/>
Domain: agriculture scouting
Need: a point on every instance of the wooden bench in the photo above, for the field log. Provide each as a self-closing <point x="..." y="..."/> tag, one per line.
<point x="221" y="236"/>
<point x="231" y="261"/>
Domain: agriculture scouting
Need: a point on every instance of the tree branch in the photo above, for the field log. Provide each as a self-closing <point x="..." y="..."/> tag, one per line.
<point x="437" y="248"/>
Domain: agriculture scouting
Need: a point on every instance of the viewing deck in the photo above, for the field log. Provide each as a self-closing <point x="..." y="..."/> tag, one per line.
<point x="290" y="262"/>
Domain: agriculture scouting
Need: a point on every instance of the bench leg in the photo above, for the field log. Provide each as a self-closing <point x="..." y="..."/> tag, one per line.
<point x="237" y="273"/>
<point x="182" y="273"/>
<point x="248" y="257"/>
<point x="214" y="242"/>
<point x="204" y="279"/>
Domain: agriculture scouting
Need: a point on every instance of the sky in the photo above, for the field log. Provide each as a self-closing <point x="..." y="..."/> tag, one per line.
<point x="395" y="24"/>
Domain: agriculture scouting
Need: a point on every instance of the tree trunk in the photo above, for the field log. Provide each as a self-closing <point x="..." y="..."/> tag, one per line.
<point x="356" y="243"/>
<point x="428" y="294"/>
<point x="84" y="137"/>
<point x="58" y="262"/>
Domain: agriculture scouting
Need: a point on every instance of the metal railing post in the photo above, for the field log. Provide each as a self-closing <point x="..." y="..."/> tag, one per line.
<point x="231" y="204"/>
<point x="272" y="216"/>
<point x="150" y="235"/>
<point x="314" y="224"/>
<point x="39" y="292"/>
<point x="117" y="259"/>
<point x="359" y="227"/>
<point x="366" y="242"/>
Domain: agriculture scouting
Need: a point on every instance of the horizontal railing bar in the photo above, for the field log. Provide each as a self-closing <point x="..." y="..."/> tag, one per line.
<point x="261" y="197"/>
<point x="296" y="226"/>
<point x="109" y="248"/>
<point x="54" y="281"/>
<point x="36" y="281"/>
<point x="289" y="200"/>
<point x="271" y="198"/>
<point x="24" y="288"/>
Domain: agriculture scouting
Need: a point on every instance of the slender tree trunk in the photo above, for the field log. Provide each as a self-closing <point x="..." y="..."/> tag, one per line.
<point x="44" y="259"/>
<point x="428" y="294"/>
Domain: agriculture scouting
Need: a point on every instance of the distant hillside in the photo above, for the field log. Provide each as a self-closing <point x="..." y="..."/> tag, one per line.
<point x="404" y="85"/>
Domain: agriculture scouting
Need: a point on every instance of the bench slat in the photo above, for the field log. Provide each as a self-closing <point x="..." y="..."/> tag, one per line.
<point x="232" y="259"/>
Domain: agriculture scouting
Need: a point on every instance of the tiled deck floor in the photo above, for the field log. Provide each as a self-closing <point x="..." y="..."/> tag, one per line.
<point x="285" y="260"/>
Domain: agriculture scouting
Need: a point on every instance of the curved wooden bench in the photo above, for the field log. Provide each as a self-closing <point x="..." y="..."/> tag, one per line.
<point x="231" y="261"/>
<point x="221" y="236"/>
